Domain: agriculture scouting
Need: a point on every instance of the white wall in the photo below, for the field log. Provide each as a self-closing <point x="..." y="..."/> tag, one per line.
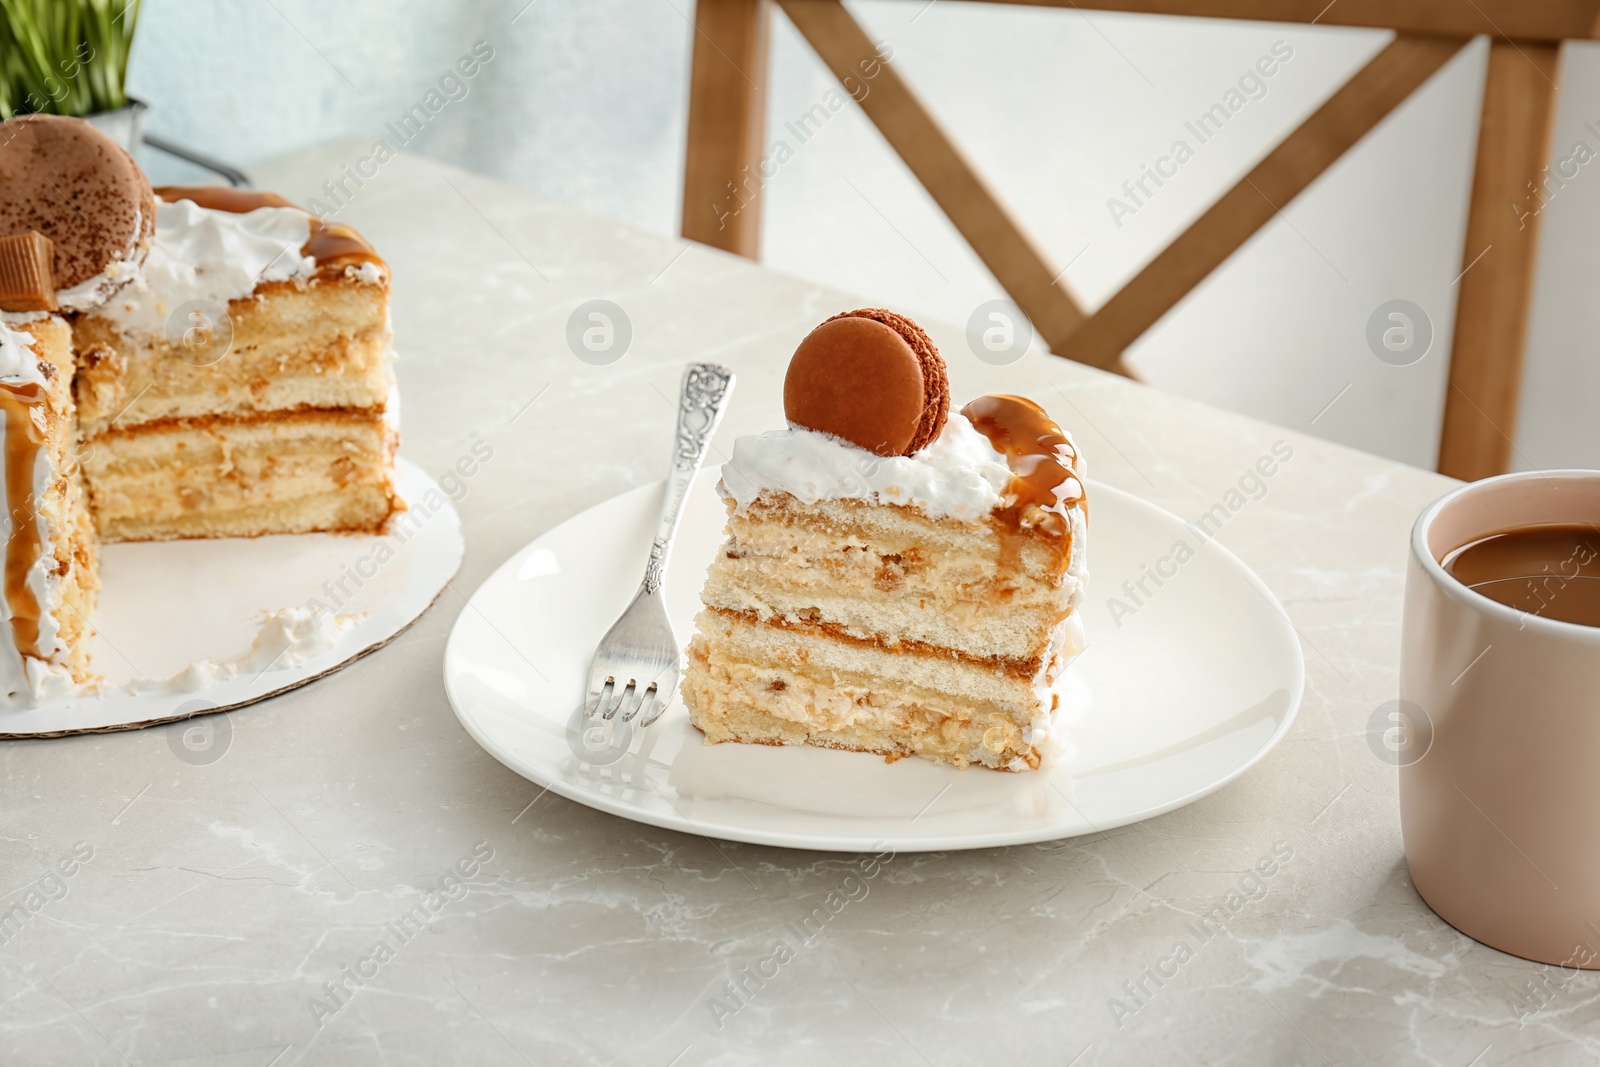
<point x="582" y="101"/>
<point x="585" y="102"/>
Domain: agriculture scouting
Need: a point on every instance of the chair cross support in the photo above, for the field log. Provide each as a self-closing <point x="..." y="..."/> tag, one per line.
<point x="1495" y="291"/>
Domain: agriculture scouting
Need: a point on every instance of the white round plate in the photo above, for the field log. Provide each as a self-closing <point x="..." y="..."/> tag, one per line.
<point x="1169" y="703"/>
<point x="165" y="605"/>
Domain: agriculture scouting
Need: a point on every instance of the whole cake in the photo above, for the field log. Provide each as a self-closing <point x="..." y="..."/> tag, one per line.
<point x="179" y="362"/>
<point x="896" y="579"/>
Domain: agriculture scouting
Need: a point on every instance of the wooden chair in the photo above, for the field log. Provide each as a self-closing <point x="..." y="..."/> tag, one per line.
<point x="726" y="142"/>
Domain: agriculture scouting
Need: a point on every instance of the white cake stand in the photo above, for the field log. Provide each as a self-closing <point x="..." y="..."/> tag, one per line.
<point x="203" y="610"/>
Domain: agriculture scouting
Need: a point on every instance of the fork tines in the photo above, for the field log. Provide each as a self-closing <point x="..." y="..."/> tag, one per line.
<point x="631" y="696"/>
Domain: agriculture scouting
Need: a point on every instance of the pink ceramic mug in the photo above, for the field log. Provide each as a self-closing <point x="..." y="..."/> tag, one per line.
<point x="1500" y="777"/>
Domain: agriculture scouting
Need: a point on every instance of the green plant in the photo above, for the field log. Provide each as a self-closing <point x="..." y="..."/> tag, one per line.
<point x="65" y="57"/>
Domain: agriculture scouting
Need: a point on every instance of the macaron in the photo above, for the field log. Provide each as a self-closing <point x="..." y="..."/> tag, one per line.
<point x="871" y="377"/>
<point x="65" y="179"/>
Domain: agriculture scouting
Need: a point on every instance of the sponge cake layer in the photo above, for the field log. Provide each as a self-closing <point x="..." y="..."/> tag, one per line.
<point x="242" y="476"/>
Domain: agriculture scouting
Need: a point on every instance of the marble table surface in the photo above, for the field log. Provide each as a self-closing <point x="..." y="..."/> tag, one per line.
<point x="221" y="903"/>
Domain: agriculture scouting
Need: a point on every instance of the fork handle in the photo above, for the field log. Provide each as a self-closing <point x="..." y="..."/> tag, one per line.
<point x="701" y="402"/>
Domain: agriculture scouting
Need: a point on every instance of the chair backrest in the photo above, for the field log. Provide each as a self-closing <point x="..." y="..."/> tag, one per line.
<point x="722" y="181"/>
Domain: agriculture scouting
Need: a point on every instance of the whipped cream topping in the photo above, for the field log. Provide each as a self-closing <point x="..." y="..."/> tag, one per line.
<point x="18" y="364"/>
<point x="86" y="296"/>
<point x="201" y="254"/>
<point x="93" y="292"/>
<point x="960" y="475"/>
<point x="366" y="273"/>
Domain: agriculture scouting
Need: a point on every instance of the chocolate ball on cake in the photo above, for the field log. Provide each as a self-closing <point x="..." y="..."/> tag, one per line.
<point x="871" y="377"/>
<point x="68" y="181"/>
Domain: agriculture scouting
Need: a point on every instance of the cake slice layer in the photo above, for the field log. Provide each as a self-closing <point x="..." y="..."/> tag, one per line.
<point x="869" y="571"/>
<point x="291" y="473"/>
<point x="291" y="346"/>
<point x="757" y="682"/>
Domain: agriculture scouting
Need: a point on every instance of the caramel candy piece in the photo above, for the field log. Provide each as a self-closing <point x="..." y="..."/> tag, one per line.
<point x="871" y="377"/>
<point x="26" y="281"/>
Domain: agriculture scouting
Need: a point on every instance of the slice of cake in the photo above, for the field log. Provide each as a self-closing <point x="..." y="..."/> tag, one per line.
<point x="241" y="384"/>
<point x="895" y="579"/>
<point x="51" y="574"/>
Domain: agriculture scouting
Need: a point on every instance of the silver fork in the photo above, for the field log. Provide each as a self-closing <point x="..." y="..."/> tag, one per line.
<point x="637" y="662"/>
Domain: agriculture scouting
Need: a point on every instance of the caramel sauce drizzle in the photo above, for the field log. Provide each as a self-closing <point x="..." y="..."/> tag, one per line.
<point x="1040" y="456"/>
<point x="333" y="245"/>
<point x="23" y="439"/>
